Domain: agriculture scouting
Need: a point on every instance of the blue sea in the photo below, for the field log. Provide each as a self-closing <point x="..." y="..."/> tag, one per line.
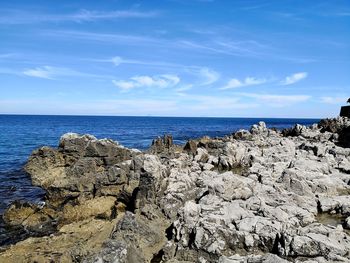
<point x="21" y="134"/>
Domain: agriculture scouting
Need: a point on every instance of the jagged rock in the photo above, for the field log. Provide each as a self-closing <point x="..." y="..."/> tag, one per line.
<point x="259" y="128"/>
<point x="242" y="135"/>
<point x="79" y="168"/>
<point x="162" y="144"/>
<point x="18" y="212"/>
<point x="191" y="146"/>
<point x="258" y="196"/>
<point x="333" y="125"/>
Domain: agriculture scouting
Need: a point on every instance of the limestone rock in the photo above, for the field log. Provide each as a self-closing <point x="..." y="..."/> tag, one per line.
<point x="255" y="196"/>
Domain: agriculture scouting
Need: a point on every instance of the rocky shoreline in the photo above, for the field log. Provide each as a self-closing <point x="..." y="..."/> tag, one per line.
<point x="255" y="196"/>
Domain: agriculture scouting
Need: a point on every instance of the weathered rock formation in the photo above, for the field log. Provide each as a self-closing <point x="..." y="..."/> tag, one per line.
<point x="254" y="196"/>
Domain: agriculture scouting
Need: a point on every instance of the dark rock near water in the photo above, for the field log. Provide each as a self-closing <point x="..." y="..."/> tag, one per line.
<point x="255" y="196"/>
<point x="162" y="144"/>
<point x="191" y="146"/>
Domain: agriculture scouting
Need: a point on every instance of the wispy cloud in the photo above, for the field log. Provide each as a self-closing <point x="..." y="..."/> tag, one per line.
<point x="7" y="55"/>
<point x="208" y="76"/>
<point x="124" y="107"/>
<point x="277" y="100"/>
<point x="333" y="100"/>
<point x="121" y="39"/>
<point x="239" y="49"/>
<point x="45" y="72"/>
<point x="180" y="91"/>
<point x="166" y="106"/>
<point x="117" y="61"/>
<point x="218" y="103"/>
<point x="248" y="81"/>
<point x="244" y="48"/>
<point x="49" y="72"/>
<point x="21" y="17"/>
<point x="213" y="45"/>
<point x="86" y="15"/>
<point x="158" y="81"/>
<point x="294" y="78"/>
<point x="200" y="76"/>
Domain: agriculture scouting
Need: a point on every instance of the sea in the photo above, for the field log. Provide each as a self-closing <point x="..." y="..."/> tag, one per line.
<point x="21" y="134"/>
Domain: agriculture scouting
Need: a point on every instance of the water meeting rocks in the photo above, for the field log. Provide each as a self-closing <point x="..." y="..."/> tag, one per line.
<point x="254" y="196"/>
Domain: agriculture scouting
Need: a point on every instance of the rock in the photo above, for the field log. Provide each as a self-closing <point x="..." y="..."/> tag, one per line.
<point x="242" y="135"/>
<point x="268" y="258"/>
<point x="113" y="251"/>
<point x="297" y="130"/>
<point x="71" y="243"/>
<point x="347" y="223"/>
<point x="258" y="196"/>
<point x="201" y="155"/>
<point x="339" y="126"/>
<point x="339" y="204"/>
<point x="75" y="143"/>
<point x="18" y="212"/>
<point x="162" y="144"/>
<point x="259" y="128"/>
<point x="333" y="125"/>
<point x="79" y="168"/>
<point x="101" y="207"/>
<point x="191" y="146"/>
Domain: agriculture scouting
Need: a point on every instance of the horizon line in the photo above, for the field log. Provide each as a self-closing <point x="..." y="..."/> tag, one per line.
<point x="159" y="116"/>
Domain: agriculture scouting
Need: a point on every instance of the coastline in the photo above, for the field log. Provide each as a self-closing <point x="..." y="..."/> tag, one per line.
<point x="253" y="195"/>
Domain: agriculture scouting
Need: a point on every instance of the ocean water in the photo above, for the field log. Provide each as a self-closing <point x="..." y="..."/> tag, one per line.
<point x="21" y="134"/>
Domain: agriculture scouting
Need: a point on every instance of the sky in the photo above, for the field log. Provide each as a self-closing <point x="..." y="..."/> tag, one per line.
<point x="204" y="58"/>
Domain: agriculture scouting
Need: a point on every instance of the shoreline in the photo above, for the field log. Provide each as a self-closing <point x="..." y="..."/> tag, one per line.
<point x="166" y="198"/>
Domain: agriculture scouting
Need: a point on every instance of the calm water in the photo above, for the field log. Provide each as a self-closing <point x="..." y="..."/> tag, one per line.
<point x="20" y="135"/>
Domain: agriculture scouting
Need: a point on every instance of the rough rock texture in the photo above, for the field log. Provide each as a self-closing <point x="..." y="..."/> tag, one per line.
<point x="254" y="196"/>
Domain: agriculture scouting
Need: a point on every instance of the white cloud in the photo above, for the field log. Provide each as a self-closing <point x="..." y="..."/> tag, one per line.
<point x="248" y="81"/>
<point x="208" y="76"/>
<point x="158" y="81"/>
<point x="184" y="88"/>
<point x="86" y="15"/>
<point x="124" y="85"/>
<point x="117" y="61"/>
<point x="45" y="72"/>
<point x="49" y="72"/>
<point x="243" y="48"/>
<point x="333" y="100"/>
<point x="296" y="77"/>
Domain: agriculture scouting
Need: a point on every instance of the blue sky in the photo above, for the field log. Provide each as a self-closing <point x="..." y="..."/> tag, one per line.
<point x="242" y="58"/>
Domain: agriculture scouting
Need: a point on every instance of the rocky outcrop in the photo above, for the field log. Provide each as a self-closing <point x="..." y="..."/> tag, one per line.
<point x="254" y="196"/>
